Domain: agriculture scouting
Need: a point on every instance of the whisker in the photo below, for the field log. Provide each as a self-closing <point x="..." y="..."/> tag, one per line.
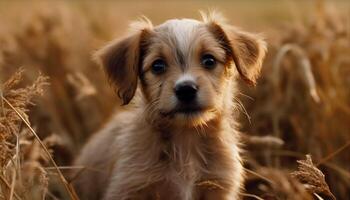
<point x="243" y="109"/>
<point x="245" y="95"/>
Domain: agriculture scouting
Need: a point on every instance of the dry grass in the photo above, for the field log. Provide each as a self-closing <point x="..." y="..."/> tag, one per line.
<point x="302" y="98"/>
<point x="19" y="152"/>
<point x="312" y="179"/>
<point x="300" y="106"/>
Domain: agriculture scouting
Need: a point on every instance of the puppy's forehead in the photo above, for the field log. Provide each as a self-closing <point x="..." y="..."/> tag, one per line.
<point x="180" y="30"/>
<point x="179" y="26"/>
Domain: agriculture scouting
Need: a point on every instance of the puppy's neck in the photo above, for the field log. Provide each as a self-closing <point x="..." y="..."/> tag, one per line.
<point x="167" y="130"/>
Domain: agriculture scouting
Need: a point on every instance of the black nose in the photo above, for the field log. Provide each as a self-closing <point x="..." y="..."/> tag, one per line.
<point x="186" y="91"/>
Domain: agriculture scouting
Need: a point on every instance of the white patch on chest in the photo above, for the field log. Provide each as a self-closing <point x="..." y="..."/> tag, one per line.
<point x="185" y="167"/>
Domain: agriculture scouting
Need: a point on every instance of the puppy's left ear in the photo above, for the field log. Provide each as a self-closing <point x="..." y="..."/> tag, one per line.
<point x="245" y="49"/>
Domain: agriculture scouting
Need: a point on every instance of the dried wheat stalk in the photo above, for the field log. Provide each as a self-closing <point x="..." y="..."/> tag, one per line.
<point x="23" y="177"/>
<point x="313" y="179"/>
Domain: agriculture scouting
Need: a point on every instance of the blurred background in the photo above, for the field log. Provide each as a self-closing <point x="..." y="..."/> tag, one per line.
<point x="301" y="105"/>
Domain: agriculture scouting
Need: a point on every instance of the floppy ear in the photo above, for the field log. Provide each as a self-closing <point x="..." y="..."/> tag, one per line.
<point x="120" y="60"/>
<point x="245" y="49"/>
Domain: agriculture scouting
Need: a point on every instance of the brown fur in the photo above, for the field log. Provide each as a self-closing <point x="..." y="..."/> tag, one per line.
<point x="150" y="151"/>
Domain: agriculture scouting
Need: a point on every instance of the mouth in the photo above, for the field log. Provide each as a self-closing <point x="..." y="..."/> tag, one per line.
<point x="189" y="109"/>
<point x="185" y="110"/>
<point x="189" y="115"/>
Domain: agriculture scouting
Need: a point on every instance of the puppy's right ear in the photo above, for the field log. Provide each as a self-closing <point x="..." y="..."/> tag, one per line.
<point x="121" y="60"/>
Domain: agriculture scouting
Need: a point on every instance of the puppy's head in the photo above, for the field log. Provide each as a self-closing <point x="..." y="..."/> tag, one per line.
<point x="185" y="68"/>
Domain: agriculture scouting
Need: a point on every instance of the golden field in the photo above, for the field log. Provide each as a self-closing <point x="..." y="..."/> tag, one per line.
<point x="54" y="97"/>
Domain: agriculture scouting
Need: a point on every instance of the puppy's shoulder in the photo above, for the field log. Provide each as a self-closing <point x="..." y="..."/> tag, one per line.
<point x="106" y="137"/>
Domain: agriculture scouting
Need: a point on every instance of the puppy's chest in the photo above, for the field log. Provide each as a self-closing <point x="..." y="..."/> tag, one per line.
<point x="185" y="159"/>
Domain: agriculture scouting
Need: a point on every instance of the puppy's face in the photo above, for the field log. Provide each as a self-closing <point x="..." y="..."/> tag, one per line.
<point x="184" y="72"/>
<point x="185" y="68"/>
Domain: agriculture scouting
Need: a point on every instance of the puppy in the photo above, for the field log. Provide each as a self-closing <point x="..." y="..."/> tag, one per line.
<point x="178" y="139"/>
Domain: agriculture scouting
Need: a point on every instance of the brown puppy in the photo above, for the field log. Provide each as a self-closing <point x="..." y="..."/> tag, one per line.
<point x="178" y="140"/>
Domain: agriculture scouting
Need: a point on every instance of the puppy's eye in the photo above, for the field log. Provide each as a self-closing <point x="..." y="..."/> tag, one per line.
<point x="208" y="61"/>
<point x="158" y="66"/>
